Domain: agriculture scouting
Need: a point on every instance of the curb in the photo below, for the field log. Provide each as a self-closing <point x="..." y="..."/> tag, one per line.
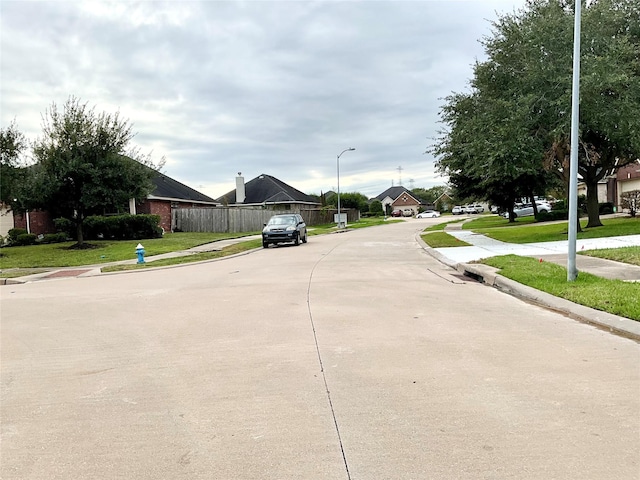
<point x="487" y="275"/>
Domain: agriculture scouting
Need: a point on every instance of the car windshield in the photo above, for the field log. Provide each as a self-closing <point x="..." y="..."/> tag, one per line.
<point x="289" y="220"/>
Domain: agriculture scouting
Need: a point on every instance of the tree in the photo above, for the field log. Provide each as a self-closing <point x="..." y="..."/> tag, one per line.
<point x="375" y="207"/>
<point x="530" y="57"/>
<point x="484" y="156"/>
<point x="516" y="121"/>
<point x="351" y="200"/>
<point x="428" y="195"/>
<point x="84" y="163"/>
<point x="12" y="146"/>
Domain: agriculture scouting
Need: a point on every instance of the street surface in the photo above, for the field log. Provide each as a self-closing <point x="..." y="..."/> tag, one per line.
<point x="355" y="356"/>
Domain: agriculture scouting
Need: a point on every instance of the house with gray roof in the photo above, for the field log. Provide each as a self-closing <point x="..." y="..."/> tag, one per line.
<point x="267" y="191"/>
<point x="398" y="198"/>
<point x="169" y="194"/>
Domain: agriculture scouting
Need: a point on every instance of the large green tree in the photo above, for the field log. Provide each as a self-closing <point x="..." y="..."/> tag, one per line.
<point x="84" y="162"/>
<point x="12" y="146"/>
<point x="522" y="96"/>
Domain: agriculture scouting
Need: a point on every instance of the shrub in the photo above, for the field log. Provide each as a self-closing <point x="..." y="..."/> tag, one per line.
<point x="631" y="201"/>
<point x="375" y="207"/>
<point x="66" y="226"/>
<point x="25" y="239"/>
<point x="605" y="208"/>
<point x="552" y="215"/>
<point x="53" y="238"/>
<point x="122" y="227"/>
<point x="561" y="205"/>
<point x="14" y="233"/>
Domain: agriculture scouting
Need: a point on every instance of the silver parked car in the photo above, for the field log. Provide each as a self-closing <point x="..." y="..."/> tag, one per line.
<point x="526" y="210"/>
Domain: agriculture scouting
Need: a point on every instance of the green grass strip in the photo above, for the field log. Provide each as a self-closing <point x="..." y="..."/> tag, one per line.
<point x="549" y="232"/>
<point x="629" y="255"/>
<point x="442" y="240"/>
<point x="442" y="226"/>
<point x="196" y="257"/>
<point x="612" y="296"/>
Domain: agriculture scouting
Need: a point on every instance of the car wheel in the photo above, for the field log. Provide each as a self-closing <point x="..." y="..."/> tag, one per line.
<point x="297" y="240"/>
<point x="265" y="244"/>
<point x="304" y="239"/>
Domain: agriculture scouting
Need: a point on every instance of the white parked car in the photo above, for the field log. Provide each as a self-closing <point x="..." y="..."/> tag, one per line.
<point x="428" y="214"/>
<point x="474" y="208"/>
<point x="526" y="210"/>
<point x="457" y="210"/>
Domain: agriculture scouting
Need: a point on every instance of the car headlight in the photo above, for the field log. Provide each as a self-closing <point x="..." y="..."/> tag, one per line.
<point x="291" y="228"/>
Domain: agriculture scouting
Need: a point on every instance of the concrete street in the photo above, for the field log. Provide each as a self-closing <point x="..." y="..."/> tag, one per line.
<point x="355" y="356"/>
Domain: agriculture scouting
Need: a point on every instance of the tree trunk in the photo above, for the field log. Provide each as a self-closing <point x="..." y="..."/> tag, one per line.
<point x="80" y="238"/>
<point x="534" y="205"/>
<point x="593" y="207"/>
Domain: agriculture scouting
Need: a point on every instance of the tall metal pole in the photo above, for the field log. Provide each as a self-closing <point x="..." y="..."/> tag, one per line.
<point x="338" y="168"/>
<point x="572" y="271"/>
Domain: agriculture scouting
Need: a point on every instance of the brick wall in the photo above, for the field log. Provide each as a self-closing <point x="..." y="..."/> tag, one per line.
<point x="40" y="222"/>
<point x="157" y="207"/>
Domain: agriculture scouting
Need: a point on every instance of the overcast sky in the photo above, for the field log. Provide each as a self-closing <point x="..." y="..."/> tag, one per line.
<point x="221" y="87"/>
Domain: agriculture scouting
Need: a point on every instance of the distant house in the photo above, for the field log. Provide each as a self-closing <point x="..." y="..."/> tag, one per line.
<point x="445" y="202"/>
<point x="398" y="198"/>
<point x="610" y="188"/>
<point x="267" y="192"/>
<point x="167" y="195"/>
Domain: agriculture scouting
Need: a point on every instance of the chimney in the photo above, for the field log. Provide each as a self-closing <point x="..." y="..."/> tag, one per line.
<point x="240" y="193"/>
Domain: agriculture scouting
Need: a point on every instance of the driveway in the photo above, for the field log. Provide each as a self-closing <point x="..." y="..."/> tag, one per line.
<point x="355" y="356"/>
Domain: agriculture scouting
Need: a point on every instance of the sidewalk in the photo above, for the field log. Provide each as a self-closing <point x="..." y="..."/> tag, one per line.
<point x="556" y="252"/>
<point x="462" y="258"/>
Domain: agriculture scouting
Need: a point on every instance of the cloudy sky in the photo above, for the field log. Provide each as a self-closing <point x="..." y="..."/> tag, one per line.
<point x="275" y="87"/>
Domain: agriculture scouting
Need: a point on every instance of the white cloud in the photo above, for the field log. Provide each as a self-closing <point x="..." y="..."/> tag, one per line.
<point x="258" y="87"/>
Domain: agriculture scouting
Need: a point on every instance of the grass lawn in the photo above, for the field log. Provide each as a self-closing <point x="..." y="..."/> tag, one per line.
<point x="60" y="255"/>
<point x="442" y="226"/>
<point x="629" y="255"/>
<point x="530" y="232"/>
<point x="494" y="221"/>
<point x="613" y="296"/>
<point x="442" y="240"/>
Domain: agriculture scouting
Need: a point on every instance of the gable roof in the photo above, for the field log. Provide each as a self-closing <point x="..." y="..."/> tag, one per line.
<point x="166" y="188"/>
<point x="267" y="189"/>
<point x="393" y="193"/>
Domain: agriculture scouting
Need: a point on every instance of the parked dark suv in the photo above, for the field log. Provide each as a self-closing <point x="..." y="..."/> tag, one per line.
<point x="288" y="227"/>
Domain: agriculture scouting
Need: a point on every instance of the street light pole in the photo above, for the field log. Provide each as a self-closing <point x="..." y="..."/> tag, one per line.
<point x="572" y="270"/>
<point x="338" y="169"/>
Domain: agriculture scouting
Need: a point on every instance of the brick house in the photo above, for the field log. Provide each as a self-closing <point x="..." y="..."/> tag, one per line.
<point x="167" y="195"/>
<point x="610" y="188"/>
<point x="398" y="198"/>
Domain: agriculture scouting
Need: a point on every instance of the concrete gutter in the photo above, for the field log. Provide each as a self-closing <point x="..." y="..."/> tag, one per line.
<point x="488" y="275"/>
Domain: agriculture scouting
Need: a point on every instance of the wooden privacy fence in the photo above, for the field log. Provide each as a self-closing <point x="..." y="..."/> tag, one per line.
<point x="240" y="220"/>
